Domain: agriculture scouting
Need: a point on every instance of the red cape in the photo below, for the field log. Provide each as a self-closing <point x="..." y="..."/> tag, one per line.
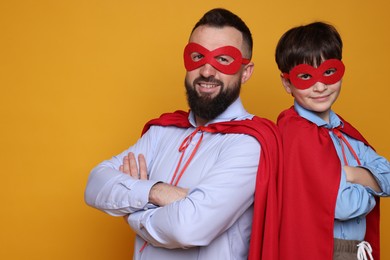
<point x="264" y="242"/>
<point x="310" y="185"/>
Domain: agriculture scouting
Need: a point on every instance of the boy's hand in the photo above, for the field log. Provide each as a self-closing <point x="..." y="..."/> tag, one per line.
<point x="362" y="176"/>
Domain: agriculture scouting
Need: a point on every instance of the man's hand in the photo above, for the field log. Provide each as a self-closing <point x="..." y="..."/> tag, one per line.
<point x="163" y="194"/>
<point x="362" y="176"/>
<point x="130" y="167"/>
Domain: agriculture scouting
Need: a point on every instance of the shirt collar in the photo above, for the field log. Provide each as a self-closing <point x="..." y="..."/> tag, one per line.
<point x="334" y="120"/>
<point x="235" y="111"/>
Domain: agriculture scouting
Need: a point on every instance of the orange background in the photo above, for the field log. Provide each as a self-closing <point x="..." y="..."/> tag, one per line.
<point x="80" y="78"/>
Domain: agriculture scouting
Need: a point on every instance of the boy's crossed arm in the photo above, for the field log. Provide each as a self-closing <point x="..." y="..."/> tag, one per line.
<point x="362" y="176"/>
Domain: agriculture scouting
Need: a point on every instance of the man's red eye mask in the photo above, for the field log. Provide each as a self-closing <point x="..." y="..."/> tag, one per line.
<point x="211" y="57"/>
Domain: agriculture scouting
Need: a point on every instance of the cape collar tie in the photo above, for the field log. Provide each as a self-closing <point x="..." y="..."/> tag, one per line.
<point x="342" y="139"/>
<point x="186" y="142"/>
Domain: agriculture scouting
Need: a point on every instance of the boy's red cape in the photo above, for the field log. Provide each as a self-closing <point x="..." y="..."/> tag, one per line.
<point x="264" y="242"/>
<point x="311" y="181"/>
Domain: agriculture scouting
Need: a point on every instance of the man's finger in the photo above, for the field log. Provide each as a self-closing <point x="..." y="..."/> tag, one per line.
<point x="133" y="166"/>
<point x="125" y="168"/>
<point x="143" y="171"/>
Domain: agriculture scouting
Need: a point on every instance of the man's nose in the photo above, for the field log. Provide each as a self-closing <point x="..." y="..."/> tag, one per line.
<point x="207" y="70"/>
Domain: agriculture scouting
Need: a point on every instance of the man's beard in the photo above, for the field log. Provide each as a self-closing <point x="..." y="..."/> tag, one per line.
<point x="207" y="107"/>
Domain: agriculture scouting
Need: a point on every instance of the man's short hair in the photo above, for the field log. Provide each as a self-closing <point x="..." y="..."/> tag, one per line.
<point x="220" y="17"/>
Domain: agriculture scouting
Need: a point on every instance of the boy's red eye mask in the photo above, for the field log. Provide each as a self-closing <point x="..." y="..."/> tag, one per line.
<point x="316" y="74"/>
<point x="211" y="57"/>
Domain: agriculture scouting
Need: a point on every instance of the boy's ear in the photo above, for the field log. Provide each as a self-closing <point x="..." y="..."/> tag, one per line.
<point x="286" y="84"/>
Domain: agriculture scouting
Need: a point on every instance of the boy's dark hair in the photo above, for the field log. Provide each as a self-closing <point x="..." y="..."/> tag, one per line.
<point x="310" y="44"/>
<point x="220" y="17"/>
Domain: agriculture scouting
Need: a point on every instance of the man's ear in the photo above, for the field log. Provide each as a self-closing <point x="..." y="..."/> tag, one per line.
<point x="247" y="72"/>
<point x="286" y="84"/>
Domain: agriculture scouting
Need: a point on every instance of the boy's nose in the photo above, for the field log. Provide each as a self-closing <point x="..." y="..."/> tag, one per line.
<point x="319" y="86"/>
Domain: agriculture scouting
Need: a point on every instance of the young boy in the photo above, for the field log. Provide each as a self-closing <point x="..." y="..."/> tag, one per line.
<point x="332" y="177"/>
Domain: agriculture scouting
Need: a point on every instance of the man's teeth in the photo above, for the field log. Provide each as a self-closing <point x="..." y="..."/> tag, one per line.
<point x="207" y="85"/>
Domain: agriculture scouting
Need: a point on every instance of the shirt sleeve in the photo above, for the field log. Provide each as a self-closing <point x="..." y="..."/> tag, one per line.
<point x="117" y="193"/>
<point x="379" y="168"/>
<point x="211" y="207"/>
<point x="353" y="200"/>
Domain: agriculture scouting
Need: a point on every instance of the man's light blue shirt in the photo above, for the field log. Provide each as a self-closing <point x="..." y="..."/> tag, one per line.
<point x="354" y="201"/>
<point x="214" y="220"/>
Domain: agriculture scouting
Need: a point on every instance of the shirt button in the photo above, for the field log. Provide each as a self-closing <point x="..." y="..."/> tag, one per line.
<point x="139" y="203"/>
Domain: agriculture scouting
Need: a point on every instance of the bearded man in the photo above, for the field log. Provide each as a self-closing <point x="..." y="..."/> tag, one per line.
<point x="186" y="187"/>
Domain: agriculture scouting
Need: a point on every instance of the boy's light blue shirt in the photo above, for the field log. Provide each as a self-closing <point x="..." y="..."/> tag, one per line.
<point x="354" y="201"/>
